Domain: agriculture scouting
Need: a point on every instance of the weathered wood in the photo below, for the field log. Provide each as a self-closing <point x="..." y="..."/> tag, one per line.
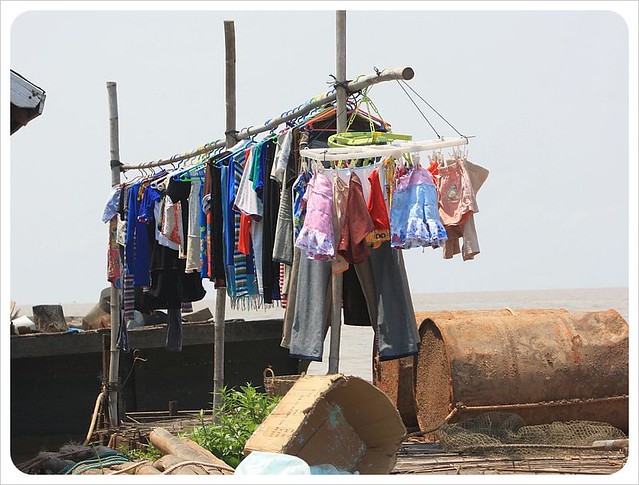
<point x="429" y="458"/>
<point x="146" y="469"/>
<point x="168" y="461"/>
<point x="169" y="444"/>
<point x="211" y="457"/>
<point x="148" y="337"/>
<point x="610" y="444"/>
<point x="114" y="363"/>
<point x="231" y="139"/>
<point x="49" y="318"/>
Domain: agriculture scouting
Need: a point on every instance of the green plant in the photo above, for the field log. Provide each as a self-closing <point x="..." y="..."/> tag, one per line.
<point x="146" y="452"/>
<point x="240" y="413"/>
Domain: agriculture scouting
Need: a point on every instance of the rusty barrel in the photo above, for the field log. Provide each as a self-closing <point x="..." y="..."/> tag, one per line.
<point x="545" y="365"/>
<point x="396" y="379"/>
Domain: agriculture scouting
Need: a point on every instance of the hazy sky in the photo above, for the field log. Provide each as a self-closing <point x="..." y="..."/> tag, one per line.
<point x="545" y="93"/>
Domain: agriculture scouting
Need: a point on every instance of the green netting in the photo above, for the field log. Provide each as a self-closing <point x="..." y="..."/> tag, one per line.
<point x="499" y="433"/>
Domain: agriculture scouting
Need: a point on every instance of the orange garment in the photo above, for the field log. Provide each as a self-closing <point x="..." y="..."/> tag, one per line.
<point x="378" y="212"/>
<point x="244" y="241"/>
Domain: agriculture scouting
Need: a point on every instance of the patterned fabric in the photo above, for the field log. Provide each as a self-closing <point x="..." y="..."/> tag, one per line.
<point x="127" y="313"/>
<point x="112" y="204"/>
<point x="114" y="263"/>
<point x="414" y="212"/>
<point x="282" y="287"/>
<point x="204" y="235"/>
<point x="241" y="284"/>
<point x="299" y="206"/>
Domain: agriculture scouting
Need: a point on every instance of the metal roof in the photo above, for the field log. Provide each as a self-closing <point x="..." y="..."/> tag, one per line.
<point x="27" y="101"/>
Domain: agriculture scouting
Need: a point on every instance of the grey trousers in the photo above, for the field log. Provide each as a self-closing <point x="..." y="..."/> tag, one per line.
<point x="385" y="285"/>
<point x="312" y="309"/>
<point x="390" y="306"/>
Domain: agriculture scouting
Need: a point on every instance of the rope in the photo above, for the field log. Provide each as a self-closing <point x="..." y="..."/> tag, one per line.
<point x="418" y="109"/>
<point x="94" y="417"/>
<point x="198" y="463"/>
<point x="97" y="462"/>
<point x="130" y="467"/>
<point x="432" y="430"/>
<point x="136" y="357"/>
<point x="428" y="104"/>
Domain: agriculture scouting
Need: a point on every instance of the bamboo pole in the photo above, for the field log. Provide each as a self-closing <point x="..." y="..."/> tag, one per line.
<point x="114" y="360"/>
<point x="405" y="73"/>
<point x="220" y="296"/>
<point x="337" y="281"/>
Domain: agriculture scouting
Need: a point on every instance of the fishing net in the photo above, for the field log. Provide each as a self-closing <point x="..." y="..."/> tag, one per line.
<point x="506" y="433"/>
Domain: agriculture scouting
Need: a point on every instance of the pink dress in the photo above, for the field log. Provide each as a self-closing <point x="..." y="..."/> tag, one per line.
<point x="316" y="236"/>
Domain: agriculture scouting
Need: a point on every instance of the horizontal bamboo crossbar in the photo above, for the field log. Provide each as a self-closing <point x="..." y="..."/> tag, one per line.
<point x="405" y="73"/>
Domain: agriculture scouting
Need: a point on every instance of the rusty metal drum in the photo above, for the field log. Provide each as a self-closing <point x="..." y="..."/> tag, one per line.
<point x="545" y="365"/>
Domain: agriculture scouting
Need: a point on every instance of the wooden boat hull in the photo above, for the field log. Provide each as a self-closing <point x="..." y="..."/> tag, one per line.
<point x="56" y="378"/>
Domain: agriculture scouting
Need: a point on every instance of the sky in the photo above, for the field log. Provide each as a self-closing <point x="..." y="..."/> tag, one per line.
<point x="546" y="89"/>
<point x="544" y="93"/>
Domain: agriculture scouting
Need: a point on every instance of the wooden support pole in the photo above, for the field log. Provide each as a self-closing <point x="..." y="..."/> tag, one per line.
<point x="340" y="55"/>
<point x="220" y="295"/>
<point x="114" y="361"/>
<point x="337" y="279"/>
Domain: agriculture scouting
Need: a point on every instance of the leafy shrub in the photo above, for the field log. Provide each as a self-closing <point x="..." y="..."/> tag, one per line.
<point x="146" y="452"/>
<point x="240" y="413"/>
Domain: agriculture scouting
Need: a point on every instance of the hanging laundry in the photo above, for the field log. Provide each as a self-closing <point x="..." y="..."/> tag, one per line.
<point x="378" y="212"/>
<point x="283" y="242"/>
<point x="311" y="309"/>
<point x="271" y="200"/>
<point x="112" y="204"/>
<point x="212" y="203"/>
<point x="282" y="153"/>
<point x="456" y="195"/>
<point x="137" y="240"/>
<point x="193" y="231"/>
<point x="466" y="231"/>
<point x="241" y="284"/>
<point x="340" y="200"/>
<point x="114" y="262"/>
<point x="393" y="313"/>
<point x="316" y="236"/>
<point x="300" y="186"/>
<point x="414" y="217"/>
<point x="357" y="224"/>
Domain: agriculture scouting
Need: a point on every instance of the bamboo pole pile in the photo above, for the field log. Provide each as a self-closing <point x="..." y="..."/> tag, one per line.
<point x="429" y="458"/>
<point x="182" y="456"/>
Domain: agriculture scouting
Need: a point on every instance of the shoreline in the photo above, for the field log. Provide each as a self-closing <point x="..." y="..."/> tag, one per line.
<point x="572" y="299"/>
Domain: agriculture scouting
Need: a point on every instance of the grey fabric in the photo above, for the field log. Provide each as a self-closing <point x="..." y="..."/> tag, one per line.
<point x="174" y="330"/>
<point x="291" y="292"/>
<point x="283" y="244"/>
<point x="396" y="328"/>
<point x="312" y="309"/>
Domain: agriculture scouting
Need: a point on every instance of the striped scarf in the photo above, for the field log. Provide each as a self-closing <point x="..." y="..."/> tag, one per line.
<point x="241" y="283"/>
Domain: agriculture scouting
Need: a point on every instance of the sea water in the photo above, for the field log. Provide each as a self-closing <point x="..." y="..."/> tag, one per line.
<point x="356" y="343"/>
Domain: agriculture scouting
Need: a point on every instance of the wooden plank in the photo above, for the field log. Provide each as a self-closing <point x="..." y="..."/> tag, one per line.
<point x="153" y="336"/>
